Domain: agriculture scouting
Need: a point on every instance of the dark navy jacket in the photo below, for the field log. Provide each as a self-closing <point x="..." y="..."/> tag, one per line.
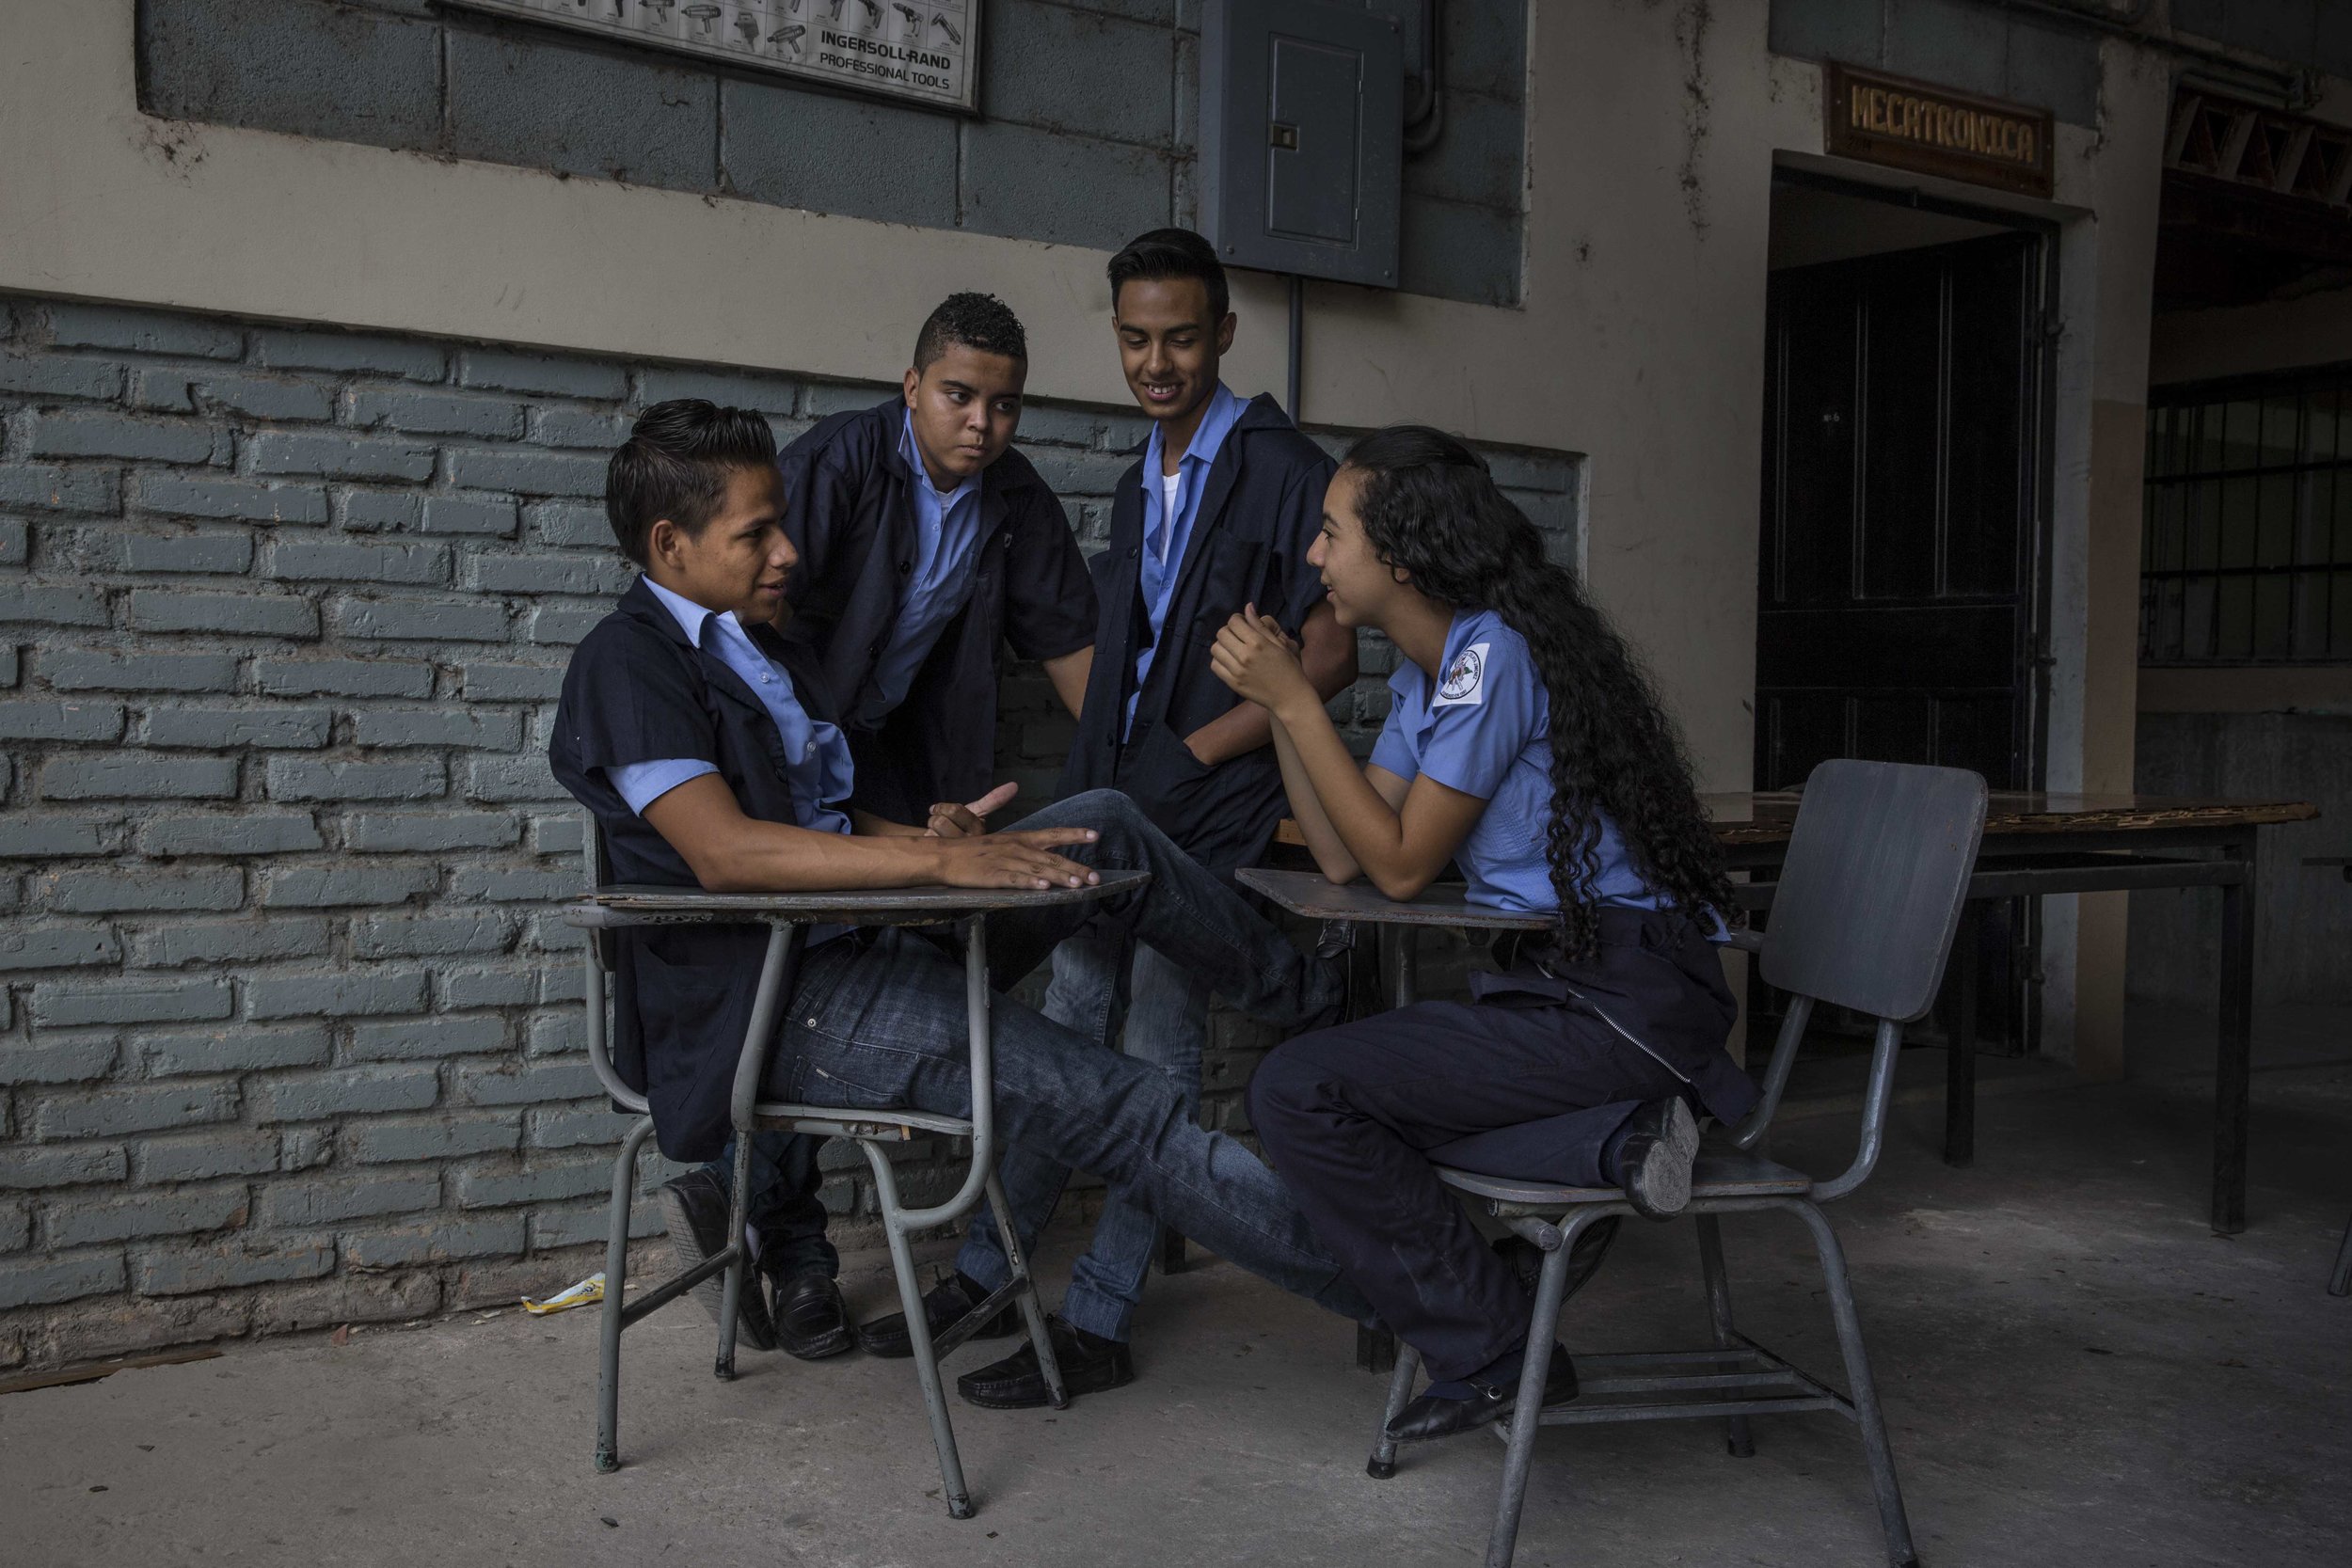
<point x="637" y="690"/>
<point x="1261" y="508"/>
<point x="849" y="509"/>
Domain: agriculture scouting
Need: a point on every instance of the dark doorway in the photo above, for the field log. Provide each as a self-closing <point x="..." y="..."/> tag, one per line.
<point x="1899" y="486"/>
<point x="1898" y="581"/>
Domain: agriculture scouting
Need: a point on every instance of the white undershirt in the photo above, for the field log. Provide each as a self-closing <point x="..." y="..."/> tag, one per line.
<point x="1169" y="484"/>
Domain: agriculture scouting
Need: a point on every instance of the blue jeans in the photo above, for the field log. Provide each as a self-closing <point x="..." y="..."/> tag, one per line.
<point x="1100" y="980"/>
<point x="786" y="1221"/>
<point x="882" y="1022"/>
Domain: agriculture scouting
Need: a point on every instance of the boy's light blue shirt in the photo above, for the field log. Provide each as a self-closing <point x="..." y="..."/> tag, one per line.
<point x="947" y="554"/>
<point x="818" y="766"/>
<point x="1164" y="537"/>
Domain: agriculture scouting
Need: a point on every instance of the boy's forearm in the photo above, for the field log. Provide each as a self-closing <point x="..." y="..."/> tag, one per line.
<point x="1069" y="673"/>
<point x="1327" y="656"/>
<point x="771" y="856"/>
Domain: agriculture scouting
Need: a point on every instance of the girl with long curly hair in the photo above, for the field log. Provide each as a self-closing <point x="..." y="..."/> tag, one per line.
<point x="1525" y="745"/>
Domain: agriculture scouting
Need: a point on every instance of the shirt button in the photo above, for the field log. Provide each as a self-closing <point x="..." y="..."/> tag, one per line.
<point x="905" y="566"/>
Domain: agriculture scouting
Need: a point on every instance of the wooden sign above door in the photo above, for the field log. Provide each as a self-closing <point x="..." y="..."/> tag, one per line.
<point x="1915" y="125"/>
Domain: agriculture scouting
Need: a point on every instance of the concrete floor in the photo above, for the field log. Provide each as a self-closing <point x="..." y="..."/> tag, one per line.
<point x="2074" y="1370"/>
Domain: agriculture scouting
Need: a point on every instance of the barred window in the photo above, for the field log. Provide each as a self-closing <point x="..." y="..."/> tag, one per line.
<point x="2246" y="546"/>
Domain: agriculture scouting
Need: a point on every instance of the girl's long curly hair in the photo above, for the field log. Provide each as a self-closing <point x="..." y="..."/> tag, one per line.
<point x="1430" y="507"/>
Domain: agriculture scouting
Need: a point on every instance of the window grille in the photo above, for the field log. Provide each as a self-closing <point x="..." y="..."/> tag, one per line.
<point x="2246" y="544"/>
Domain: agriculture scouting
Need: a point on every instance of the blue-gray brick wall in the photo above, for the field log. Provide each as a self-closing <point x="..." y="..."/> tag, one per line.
<point x="1085" y="135"/>
<point x="288" y="1035"/>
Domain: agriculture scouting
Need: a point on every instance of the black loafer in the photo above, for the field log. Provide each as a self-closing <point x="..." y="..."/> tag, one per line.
<point x="943" y="1304"/>
<point x="1089" y="1364"/>
<point x="810" y="1321"/>
<point x="1433" y="1416"/>
<point x="1584" y="1258"/>
<point x="695" y="1207"/>
<point x="1654" y="1163"/>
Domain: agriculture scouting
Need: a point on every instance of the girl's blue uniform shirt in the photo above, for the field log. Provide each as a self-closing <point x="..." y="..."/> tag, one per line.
<point x="1486" y="730"/>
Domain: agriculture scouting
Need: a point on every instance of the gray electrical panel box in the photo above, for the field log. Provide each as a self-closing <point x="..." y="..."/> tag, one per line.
<point x="1302" y="138"/>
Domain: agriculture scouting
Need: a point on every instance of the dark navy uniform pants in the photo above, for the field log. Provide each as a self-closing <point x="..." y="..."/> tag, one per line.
<point x="1353" y="1116"/>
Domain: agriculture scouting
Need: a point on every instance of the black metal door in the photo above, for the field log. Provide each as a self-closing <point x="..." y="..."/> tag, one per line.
<point x="1902" y="474"/>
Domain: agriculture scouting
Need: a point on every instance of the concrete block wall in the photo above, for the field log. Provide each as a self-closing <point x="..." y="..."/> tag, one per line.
<point x="288" y="1034"/>
<point x="1085" y="135"/>
<point x="2302" y="914"/>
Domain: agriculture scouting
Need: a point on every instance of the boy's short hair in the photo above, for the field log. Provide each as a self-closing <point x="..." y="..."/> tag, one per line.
<point x="1170" y="253"/>
<point x="975" y="321"/>
<point x="674" y="465"/>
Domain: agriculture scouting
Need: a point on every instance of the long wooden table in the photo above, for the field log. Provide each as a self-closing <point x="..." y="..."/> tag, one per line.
<point x="2039" y="844"/>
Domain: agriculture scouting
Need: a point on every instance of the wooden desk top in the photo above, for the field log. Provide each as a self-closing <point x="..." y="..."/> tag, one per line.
<point x="1766" y="817"/>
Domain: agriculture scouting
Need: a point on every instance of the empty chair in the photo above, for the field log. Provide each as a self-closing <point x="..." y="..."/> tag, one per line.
<point x="1862" y="918"/>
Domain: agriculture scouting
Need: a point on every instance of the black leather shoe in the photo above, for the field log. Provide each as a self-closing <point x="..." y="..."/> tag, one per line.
<point x="1434" y="1415"/>
<point x="1332" y="968"/>
<point x="695" y="1207"/>
<point x="1089" y="1364"/>
<point x="943" y="1304"/>
<point x="811" y="1323"/>
<point x="1592" y="1245"/>
<point x="1654" y="1163"/>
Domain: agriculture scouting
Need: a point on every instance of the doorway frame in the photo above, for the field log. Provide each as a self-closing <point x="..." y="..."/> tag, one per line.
<point x="2039" y="548"/>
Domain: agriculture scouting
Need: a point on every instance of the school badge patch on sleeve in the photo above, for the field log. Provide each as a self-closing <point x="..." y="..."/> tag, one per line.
<point x="1464" y="679"/>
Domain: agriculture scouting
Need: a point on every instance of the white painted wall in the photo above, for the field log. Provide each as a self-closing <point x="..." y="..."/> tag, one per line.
<point x="2282" y="334"/>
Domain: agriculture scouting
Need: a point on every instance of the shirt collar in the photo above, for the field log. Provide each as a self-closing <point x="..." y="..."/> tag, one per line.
<point x="690" y="616"/>
<point x="1216" y="422"/>
<point x="914" y="454"/>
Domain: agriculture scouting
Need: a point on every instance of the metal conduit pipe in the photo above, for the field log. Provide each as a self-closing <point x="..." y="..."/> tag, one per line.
<point x="1424" y="120"/>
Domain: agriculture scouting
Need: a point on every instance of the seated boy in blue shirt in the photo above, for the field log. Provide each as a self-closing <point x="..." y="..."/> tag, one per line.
<point x="928" y="546"/>
<point x="706" y="747"/>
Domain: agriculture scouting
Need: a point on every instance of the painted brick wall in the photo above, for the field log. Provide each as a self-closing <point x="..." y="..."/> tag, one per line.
<point x="288" y="1035"/>
<point x="1086" y="137"/>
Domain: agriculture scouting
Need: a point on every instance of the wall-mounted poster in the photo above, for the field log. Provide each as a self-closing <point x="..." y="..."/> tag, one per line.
<point x="928" y="50"/>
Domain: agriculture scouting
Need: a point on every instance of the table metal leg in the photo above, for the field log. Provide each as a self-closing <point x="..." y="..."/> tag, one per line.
<point x="2234" y="1058"/>
<point x="1375" y="1348"/>
<point x="1960" y="1057"/>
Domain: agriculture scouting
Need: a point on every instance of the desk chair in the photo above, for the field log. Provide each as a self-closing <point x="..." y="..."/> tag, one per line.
<point x="787" y="918"/>
<point x="1863" y="918"/>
